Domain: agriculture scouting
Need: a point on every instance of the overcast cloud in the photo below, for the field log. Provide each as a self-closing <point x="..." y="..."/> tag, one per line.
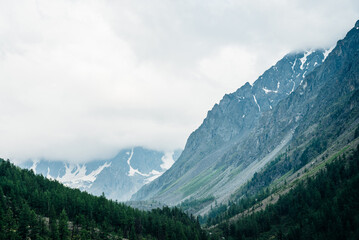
<point x="80" y="80"/>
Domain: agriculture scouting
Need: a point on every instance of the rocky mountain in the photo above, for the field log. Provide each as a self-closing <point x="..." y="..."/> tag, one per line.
<point x="118" y="178"/>
<point x="319" y="161"/>
<point x="205" y="167"/>
<point x="305" y="104"/>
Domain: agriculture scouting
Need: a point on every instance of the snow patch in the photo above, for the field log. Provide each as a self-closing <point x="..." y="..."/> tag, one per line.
<point x="255" y="100"/>
<point x="239" y="98"/>
<point x="34" y="165"/>
<point x="167" y="160"/>
<point x="305" y="85"/>
<point x="243" y="116"/>
<point x="304" y="58"/>
<point x="133" y="171"/>
<point x="326" y="52"/>
<point x="292" y="87"/>
<point x="295" y="62"/>
<point x="75" y="175"/>
<point x="154" y="174"/>
<point x="269" y="91"/>
<point x="48" y="174"/>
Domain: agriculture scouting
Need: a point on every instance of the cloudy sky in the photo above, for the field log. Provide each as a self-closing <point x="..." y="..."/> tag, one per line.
<point x="80" y="80"/>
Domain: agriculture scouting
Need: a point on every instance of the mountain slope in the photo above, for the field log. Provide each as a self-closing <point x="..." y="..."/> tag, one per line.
<point x="325" y="115"/>
<point x="118" y="178"/>
<point x="323" y="107"/>
<point x="322" y="207"/>
<point x="199" y="168"/>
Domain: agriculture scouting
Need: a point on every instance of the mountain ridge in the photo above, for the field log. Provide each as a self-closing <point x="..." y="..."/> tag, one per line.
<point x="118" y="177"/>
<point x="241" y="111"/>
<point x="215" y="163"/>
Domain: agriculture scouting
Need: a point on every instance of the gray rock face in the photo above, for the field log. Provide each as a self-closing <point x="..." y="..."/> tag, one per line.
<point x="206" y="164"/>
<point x="118" y="178"/>
<point x="251" y="126"/>
<point x="322" y="107"/>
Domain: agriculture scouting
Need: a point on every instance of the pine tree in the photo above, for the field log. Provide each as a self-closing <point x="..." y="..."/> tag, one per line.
<point x="24" y="221"/>
<point x="10" y="225"/>
<point x="54" y="231"/>
<point x="64" y="232"/>
<point x="132" y="233"/>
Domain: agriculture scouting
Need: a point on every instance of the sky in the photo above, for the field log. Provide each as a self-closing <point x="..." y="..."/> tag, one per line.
<point x="80" y="80"/>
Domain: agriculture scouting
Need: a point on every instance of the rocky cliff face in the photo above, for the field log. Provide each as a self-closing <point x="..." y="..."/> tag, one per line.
<point x="325" y="91"/>
<point x="209" y="164"/>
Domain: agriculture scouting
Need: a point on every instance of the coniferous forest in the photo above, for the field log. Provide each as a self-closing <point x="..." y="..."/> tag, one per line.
<point x="323" y="207"/>
<point x="33" y="207"/>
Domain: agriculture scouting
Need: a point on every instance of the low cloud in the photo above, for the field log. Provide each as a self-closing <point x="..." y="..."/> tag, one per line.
<point x="80" y="80"/>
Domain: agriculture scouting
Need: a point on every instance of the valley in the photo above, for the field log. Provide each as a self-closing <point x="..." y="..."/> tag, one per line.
<point x="276" y="159"/>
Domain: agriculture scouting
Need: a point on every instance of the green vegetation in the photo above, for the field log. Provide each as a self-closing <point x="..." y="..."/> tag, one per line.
<point x="323" y="207"/>
<point x="199" y="181"/>
<point x="327" y="161"/>
<point x="33" y="207"/>
<point x="193" y="205"/>
<point x="254" y="191"/>
<point x="223" y="212"/>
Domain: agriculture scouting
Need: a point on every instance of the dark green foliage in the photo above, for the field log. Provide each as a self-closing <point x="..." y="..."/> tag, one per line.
<point x="356" y="133"/>
<point x="63" y="226"/>
<point x="193" y="205"/>
<point x="315" y="147"/>
<point x="325" y="207"/>
<point x="33" y="207"/>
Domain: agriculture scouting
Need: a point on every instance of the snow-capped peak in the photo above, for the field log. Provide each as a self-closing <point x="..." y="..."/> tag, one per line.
<point x="75" y="175"/>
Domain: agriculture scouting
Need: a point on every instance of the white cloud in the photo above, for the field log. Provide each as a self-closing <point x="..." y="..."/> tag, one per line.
<point x="81" y="79"/>
<point x="230" y="66"/>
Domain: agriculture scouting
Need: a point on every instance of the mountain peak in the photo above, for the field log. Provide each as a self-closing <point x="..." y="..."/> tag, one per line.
<point x="234" y="118"/>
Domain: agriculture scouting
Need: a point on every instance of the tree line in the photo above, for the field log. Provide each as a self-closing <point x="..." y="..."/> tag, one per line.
<point x="33" y="207"/>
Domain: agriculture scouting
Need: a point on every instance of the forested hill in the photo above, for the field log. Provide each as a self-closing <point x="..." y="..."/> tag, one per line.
<point x="323" y="207"/>
<point x="33" y="207"/>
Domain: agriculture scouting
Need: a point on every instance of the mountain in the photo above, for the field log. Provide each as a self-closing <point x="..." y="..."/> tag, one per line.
<point x="199" y="167"/>
<point x="118" y="178"/>
<point x="34" y="207"/>
<point x="303" y="105"/>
